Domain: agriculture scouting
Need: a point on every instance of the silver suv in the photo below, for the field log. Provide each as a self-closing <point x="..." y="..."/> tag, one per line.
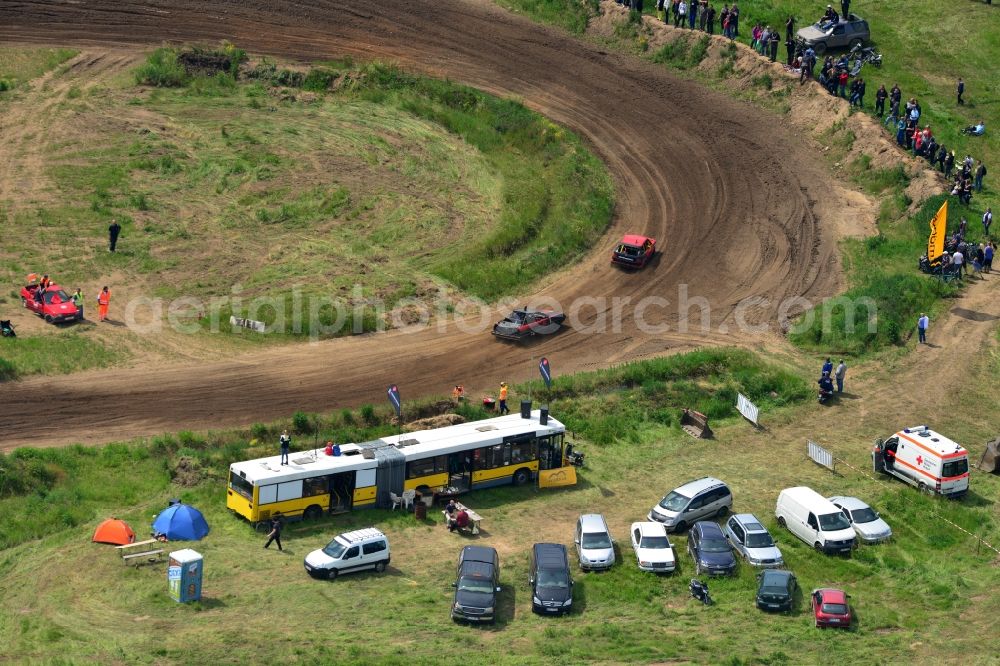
<point x="683" y="506"/>
<point x="826" y="35"/>
<point x="751" y="539"/>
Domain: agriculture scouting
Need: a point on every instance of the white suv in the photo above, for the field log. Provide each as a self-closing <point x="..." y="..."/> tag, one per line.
<point x="348" y="552"/>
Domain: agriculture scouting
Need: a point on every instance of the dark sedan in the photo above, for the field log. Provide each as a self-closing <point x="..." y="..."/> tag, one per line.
<point x="776" y="590"/>
<point x="477" y="585"/>
<point x="710" y="550"/>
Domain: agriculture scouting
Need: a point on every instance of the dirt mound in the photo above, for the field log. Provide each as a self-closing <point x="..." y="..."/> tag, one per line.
<point x="432" y="422"/>
<point x="185" y="472"/>
<point x="200" y="62"/>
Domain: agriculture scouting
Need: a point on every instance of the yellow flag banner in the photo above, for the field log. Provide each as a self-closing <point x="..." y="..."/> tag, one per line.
<point x="553" y="478"/>
<point x="939" y="227"/>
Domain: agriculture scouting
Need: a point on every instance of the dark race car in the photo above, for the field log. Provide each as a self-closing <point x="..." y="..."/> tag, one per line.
<point x="524" y="323"/>
<point x="634" y="251"/>
<point x="55" y="305"/>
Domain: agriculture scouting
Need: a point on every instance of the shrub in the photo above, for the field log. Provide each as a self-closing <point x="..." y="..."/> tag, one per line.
<point x="162" y="70"/>
<point x="368" y="415"/>
<point x="302" y="423"/>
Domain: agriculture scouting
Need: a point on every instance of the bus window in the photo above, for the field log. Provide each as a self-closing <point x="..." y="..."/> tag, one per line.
<point x="441" y="464"/>
<point x="267" y="494"/>
<point x="289" y="490"/>
<point x="418" y="468"/>
<point x="241" y="485"/>
<point x="314" y="486"/>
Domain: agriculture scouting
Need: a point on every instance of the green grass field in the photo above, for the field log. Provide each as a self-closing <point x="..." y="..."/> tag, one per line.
<point x="18" y="65"/>
<point x="914" y="597"/>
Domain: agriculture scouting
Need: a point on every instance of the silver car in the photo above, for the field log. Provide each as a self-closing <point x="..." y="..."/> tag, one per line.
<point x="844" y="33"/>
<point x="750" y="538"/>
<point x="694" y="501"/>
<point x="866" y="522"/>
<point x="594" y="545"/>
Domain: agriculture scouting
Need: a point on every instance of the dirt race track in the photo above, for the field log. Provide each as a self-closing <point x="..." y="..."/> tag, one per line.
<point x="730" y="194"/>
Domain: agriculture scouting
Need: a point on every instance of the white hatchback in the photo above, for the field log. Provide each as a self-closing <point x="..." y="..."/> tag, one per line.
<point x="866" y="522"/>
<point x="652" y="547"/>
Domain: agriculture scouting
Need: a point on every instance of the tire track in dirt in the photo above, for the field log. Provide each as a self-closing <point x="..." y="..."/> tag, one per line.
<point x="692" y="167"/>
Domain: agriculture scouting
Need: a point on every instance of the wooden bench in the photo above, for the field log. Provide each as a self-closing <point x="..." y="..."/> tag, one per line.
<point x="150" y="555"/>
<point x="695" y="424"/>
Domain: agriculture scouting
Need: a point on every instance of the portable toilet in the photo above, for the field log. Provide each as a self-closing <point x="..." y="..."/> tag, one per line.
<point x="184" y="573"/>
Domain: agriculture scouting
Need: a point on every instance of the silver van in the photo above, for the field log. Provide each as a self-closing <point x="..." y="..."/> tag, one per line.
<point x="683" y="506"/>
<point x="594" y="546"/>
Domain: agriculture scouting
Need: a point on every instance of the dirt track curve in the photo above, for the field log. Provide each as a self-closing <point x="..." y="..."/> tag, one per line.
<point x="727" y="190"/>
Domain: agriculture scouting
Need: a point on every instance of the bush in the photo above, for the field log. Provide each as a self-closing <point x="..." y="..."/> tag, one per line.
<point x="368" y="415"/>
<point x="162" y="70"/>
<point x="7" y="370"/>
<point x="303" y="423"/>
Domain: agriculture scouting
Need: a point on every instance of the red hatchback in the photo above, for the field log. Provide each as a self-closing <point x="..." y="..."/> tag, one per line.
<point x="55" y="305"/>
<point x="831" y="608"/>
<point x="634" y="251"/>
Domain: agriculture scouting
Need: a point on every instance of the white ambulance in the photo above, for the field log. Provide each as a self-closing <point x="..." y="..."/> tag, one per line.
<point x="925" y="459"/>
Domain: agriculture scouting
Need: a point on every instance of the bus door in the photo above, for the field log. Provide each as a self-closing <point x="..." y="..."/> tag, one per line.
<point x="341" y="491"/>
<point x="550" y="453"/>
<point x="460" y="470"/>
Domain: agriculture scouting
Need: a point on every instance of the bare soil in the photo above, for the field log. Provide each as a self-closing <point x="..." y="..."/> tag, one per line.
<point x="731" y="195"/>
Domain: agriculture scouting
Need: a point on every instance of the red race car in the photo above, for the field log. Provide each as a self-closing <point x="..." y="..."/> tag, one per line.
<point x="634" y="251"/>
<point x="54" y="305"/>
<point x="831" y="608"/>
<point x="521" y="324"/>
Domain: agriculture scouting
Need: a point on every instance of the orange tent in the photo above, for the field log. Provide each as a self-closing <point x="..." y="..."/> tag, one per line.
<point x="114" y="531"/>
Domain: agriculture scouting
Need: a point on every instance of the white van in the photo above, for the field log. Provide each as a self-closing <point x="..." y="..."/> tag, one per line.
<point x="348" y="552"/>
<point x="925" y="459"/>
<point x="814" y="519"/>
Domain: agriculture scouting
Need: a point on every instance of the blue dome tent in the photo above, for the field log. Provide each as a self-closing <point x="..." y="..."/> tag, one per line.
<point x="181" y="522"/>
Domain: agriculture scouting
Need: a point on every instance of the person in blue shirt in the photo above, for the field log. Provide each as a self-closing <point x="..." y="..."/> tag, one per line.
<point x="828" y="366"/>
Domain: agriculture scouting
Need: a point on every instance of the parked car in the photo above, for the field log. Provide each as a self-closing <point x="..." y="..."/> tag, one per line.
<point x="866" y="522"/>
<point x="351" y="551"/>
<point x="634" y="251"/>
<point x="594" y="545"/>
<point x="703" y="498"/>
<point x="776" y="590"/>
<point x="925" y="459"/>
<point x="477" y="585"/>
<point x="652" y="547"/>
<point x="551" y="584"/>
<point x="814" y="519"/>
<point x="524" y="323"/>
<point x="847" y="32"/>
<point x="831" y="608"/>
<point x="750" y="538"/>
<point x="710" y="550"/>
<point x="55" y="306"/>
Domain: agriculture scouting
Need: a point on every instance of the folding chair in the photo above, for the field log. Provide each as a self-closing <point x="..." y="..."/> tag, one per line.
<point x="396" y="500"/>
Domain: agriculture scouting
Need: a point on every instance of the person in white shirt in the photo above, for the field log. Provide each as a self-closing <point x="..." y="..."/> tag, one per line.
<point x="987" y="221"/>
<point x="958" y="259"/>
<point x="922" y="325"/>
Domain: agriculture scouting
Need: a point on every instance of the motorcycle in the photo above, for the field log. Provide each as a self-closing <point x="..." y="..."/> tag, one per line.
<point x="824" y="396"/>
<point x="863" y="56"/>
<point x="7" y="329"/>
<point x="699" y="591"/>
<point x="825" y="390"/>
<point x="574" y="457"/>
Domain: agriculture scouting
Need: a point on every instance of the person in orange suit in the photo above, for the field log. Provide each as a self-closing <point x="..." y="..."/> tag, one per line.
<point x="103" y="301"/>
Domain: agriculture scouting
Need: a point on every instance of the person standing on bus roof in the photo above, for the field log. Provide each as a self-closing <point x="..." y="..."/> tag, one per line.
<point x="503" y="399"/>
<point x="285" y="442"/>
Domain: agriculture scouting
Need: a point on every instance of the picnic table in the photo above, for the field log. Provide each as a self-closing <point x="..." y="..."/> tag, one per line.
<point x="474" y="518"/>
<point x="140" y="551"/>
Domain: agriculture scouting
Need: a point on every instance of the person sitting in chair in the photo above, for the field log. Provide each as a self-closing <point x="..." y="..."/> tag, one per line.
<point x="459" y="522"/>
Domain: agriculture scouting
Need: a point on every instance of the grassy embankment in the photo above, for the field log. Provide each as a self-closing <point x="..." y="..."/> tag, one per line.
<point x="63" y="595"/>
<point x="20" y="65"/>
<point x="293" y="185"/>
<point x="879" y="269"/>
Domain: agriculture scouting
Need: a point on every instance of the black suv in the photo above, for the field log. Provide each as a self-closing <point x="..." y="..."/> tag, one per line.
<point x="477" y="585"/>
<point x="551" y="585"/>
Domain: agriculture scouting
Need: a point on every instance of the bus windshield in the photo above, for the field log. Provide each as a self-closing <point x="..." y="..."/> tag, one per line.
<point x="241" y="485"/>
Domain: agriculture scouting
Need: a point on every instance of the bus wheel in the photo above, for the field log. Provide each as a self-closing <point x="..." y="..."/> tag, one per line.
<point x="520" y="477"/>
<point x="312" y="512"/>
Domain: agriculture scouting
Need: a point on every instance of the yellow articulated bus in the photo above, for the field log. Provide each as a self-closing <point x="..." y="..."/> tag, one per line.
<point x="508" y="449"/>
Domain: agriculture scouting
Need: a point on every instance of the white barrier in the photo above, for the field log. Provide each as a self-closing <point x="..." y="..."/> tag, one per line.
<point x="749" y="410"/>
<point x="821" y="456"/>
<point x="252" y="324"/>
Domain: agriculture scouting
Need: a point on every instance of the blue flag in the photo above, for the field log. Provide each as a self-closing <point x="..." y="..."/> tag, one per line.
<point x="543" y="367"/>
<point x="394" y="398"/>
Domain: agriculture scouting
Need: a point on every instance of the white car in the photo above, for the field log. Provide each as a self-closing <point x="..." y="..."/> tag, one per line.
<point x="866" y="522"/>
<point x="652" y="547"/>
